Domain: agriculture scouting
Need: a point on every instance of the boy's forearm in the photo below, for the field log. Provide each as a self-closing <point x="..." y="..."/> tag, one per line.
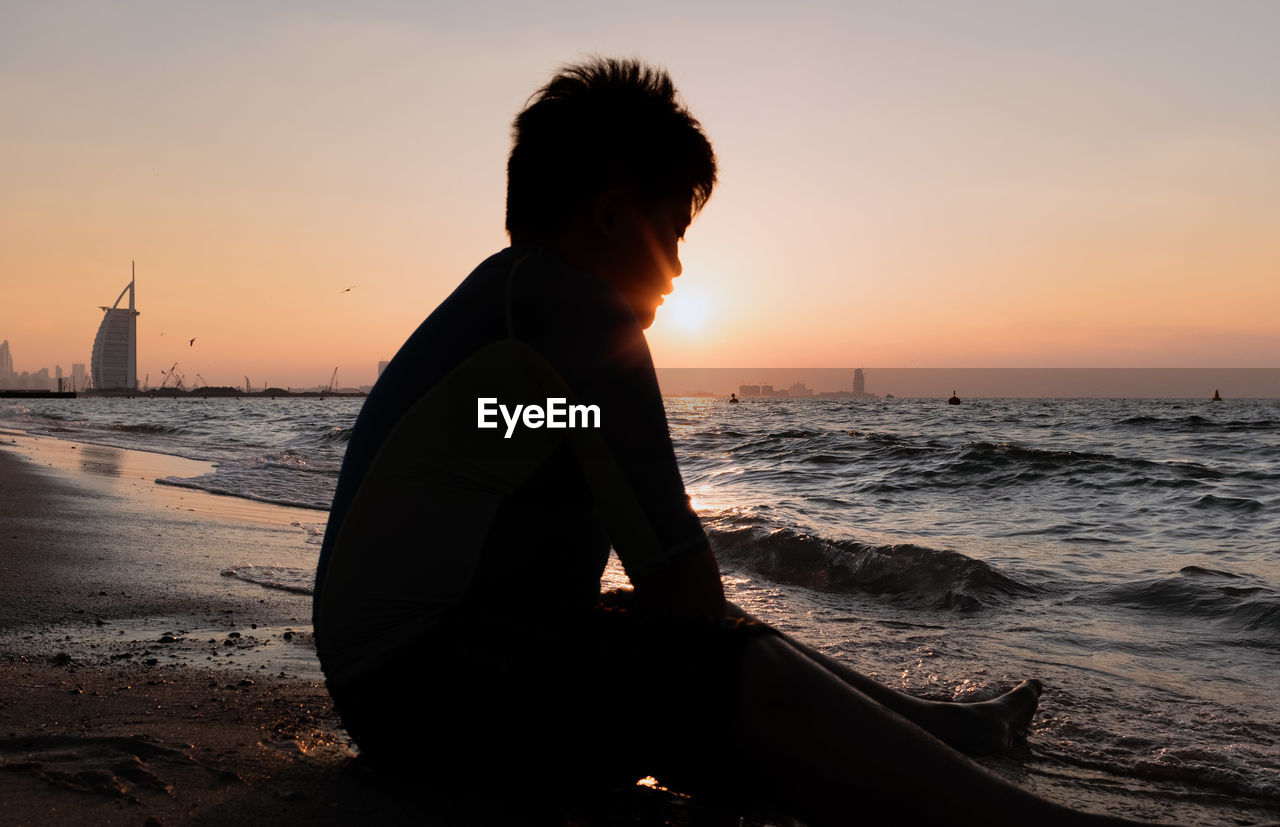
<point x="688" y="586"/>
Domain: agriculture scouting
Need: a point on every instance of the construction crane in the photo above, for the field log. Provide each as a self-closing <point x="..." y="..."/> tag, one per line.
<point x="247" y="387"/>
<point x="199" y="381"/>
<point x="168" y="374"/>
<point x="332" y="380"/>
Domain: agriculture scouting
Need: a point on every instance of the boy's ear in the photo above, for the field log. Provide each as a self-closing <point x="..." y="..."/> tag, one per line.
<point x="607" y="211"/>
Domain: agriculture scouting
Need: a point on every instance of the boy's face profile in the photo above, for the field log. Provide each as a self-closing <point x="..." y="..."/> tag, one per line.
<point x="645" y="244"/>
<point x="607" y="169"/>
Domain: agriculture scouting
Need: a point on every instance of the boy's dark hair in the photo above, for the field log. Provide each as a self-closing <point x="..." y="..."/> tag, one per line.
<point x="601" y="124"/>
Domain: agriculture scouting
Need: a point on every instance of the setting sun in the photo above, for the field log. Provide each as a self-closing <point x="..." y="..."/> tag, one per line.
<point x="688" y="310"/>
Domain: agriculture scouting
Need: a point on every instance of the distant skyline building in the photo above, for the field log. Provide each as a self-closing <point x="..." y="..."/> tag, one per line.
<point x="859" y="382"/>
<point x="115" y="348"/>
<point x="799" y="389"/>
<point x="6" y="364"/>
<point x="381" y="367"/>
<point x="78" y="376"/>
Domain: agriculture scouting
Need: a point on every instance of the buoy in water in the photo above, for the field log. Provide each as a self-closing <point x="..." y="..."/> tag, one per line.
<point x="954" y="400"/>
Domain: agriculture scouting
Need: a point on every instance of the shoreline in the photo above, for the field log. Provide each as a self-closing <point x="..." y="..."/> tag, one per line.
<point x="100" y="721"/>
<point x="90" y="527"/>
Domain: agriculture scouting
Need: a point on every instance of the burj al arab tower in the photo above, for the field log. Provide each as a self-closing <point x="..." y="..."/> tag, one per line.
<point x="115" y="348"/>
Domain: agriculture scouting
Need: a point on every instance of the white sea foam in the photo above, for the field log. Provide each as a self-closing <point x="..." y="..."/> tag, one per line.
<point x="284" y="578"/>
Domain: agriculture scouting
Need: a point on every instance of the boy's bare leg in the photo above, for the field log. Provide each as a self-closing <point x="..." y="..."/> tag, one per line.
<point x="837" y="756"/>
<point x="984" y="726"/>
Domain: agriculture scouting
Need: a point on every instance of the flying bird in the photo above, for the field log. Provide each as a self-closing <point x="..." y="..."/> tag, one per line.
<point x="348" y="290"/>
<point x="192" y="343"/>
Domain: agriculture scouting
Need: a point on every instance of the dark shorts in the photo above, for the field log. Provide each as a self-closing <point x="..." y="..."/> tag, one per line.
<point x="595" y="698"/>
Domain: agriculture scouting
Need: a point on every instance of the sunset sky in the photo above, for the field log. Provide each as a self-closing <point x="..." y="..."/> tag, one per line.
<point x="979" y="184"/>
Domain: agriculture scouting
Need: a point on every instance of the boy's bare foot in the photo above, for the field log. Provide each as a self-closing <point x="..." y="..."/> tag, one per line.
<point x="987" y="726"/>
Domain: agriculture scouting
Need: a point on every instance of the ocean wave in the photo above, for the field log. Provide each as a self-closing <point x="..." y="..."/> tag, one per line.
<point x="1002" y="464"/>
<point x="255" y="488"/>
<point x="921" y="576"/>
<point x="281" y="578"/>
<point x="1201" y="593"/>
<point x="144" y="428"/>
<point x="993" y="465"/>
<point x="824" y="459"/>
<point x="979" y="457"/>
<point x="1232" y="774"/>
<point x="725" y="433"/>
<point x="290" y="461"/>
<point x="790" y="433"/>
<point x="984" y="457"/>
<point x="12" y="410"/>
<point x="1211" y="768"/>
<point x="893" y="447"/>
<point x="1236" y="504"/>
<point x="324" y="438"/>
<point x="776" y="443"/>
<point x="1195" y="422"/>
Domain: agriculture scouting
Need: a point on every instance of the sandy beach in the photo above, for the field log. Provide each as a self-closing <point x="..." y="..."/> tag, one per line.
<point x="140" y="686"/>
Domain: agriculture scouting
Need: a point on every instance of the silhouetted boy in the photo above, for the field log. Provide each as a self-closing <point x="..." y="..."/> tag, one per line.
<point x="515" y="437"/>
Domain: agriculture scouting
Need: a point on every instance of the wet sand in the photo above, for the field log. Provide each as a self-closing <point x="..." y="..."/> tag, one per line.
<point x="140" y="686"/>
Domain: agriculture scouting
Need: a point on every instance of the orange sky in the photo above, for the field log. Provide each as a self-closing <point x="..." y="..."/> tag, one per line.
<point x="905" y="184"/>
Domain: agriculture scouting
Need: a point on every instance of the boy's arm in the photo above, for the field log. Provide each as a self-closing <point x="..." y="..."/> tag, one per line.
<point x="592" y="342"/>
<point x="688" y="585"/>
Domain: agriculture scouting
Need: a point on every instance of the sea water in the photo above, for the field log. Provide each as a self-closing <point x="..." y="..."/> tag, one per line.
<point x="1126" y="552"/>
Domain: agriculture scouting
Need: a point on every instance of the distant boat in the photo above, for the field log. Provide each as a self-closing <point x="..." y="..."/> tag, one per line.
<point x="954" y="400"/>
<point x="890" y="396"/>
<point x="1216" y="396"/>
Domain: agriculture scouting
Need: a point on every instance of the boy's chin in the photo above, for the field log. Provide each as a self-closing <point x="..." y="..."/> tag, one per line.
<point x="649" y="313"/>
<point x="646" y="311"/>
